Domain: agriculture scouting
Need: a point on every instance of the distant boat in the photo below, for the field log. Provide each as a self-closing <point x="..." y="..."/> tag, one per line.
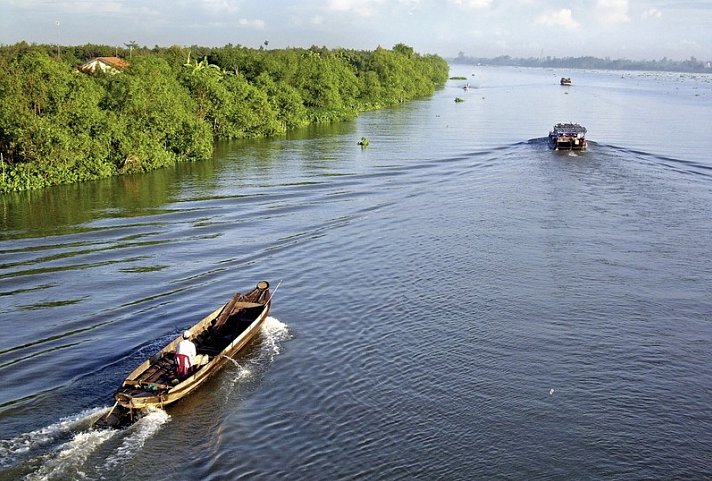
<point x="565" y="80"/>
<point x="567" y="137"/>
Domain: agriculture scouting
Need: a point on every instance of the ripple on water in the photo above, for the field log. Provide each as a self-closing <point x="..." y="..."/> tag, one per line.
<point x="460" y="303"/>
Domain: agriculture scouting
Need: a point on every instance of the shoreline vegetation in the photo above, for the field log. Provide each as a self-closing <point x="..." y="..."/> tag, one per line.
<point x="692" y="65"/>
<point x="59" y="125"/>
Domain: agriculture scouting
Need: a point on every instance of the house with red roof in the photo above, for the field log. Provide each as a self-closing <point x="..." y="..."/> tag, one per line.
<point x="110" y="65"/>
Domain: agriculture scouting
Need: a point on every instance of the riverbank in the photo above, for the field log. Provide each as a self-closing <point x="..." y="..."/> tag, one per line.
<point x="61" y="125"/>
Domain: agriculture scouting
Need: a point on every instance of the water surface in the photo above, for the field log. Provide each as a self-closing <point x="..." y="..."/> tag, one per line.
<point x="457" y="301"/>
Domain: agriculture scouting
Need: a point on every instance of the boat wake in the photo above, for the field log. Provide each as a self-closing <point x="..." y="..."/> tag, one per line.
<point x="144" y="428"/>
<point x="28" y="444"/>
<point x="273" y="334"/>
<point x="71" y="449"/>
<point x="680" y="165"/>
<point x="69" y="460"/>
<point x="76" y="457"/>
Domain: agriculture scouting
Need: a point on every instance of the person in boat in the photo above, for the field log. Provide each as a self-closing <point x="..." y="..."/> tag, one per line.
<point x="187" y="359"/>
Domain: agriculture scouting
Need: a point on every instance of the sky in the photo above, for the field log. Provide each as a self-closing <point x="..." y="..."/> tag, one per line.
<point x="632" y="29"/>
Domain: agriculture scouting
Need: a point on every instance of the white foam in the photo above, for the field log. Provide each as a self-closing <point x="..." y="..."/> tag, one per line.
<point x="274" y="333"/>
<point x="141" y="431"/>
<point x="11" y="449"/>
<point x="68" y="461"/>
<point x="243" y="372"/>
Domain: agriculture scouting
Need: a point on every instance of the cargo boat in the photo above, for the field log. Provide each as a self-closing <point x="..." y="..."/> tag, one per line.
<point x="567" y="137"/>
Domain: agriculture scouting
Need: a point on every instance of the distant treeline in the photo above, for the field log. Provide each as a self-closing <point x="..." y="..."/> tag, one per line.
<point x="665" y="64"/>
<point x="59" y="125"/>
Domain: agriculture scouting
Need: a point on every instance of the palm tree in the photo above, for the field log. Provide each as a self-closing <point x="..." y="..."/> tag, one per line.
<point x="131" y="45"/>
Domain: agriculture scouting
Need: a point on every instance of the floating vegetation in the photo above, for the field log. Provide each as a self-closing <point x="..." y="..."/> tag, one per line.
<point x="52" y="304"/>
<point x="363" y="142"/>
<point x="458" y="100"/>
<point x="458" y="78"/>
<point x="143" y="269"/>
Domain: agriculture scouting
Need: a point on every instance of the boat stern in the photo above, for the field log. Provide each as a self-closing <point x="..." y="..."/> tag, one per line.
<point x="567" y="137"/>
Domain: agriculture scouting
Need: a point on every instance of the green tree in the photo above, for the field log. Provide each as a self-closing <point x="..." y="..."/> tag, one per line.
<point x="52" y="129"/>
<point x="285" y="101"/>
<point x="249" y="114"/>
<point x="59" y="125"/>
<point x="155" y="118"/>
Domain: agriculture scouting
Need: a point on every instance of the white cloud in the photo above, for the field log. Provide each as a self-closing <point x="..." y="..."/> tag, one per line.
<point x="652" y="13"/>
<point x="472" y="4"/>
<point x="611" y="12"/>
<point x="255" y="23"/>
<point x="410" y="6"/>
<point x="220" y="7"/>
<point x="561" y="18"/>
<point x="689" y="44"/>
<point x="74" y="7"/>
<point x="364" y="8"/>
<point x="371" y="8"/>
<point x="316" y="20"/>
<point x="93" y="7"/>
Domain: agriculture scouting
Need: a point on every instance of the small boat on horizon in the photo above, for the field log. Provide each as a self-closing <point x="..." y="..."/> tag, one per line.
<point x="567" y="137"/>
<point x="220" y="335"/>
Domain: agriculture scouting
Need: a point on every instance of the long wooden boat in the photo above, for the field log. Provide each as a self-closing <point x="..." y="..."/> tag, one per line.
<point x="219" y="335"/>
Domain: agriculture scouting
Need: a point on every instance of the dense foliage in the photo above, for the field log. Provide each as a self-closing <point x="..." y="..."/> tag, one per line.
<point x="59" y="125"/>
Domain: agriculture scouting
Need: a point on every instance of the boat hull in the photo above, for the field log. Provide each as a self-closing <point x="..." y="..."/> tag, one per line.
<point x="192" y="382"/>
<point x="220" y="335"/>
<point x="567" y="143"/>
<point x="567" y="137"/>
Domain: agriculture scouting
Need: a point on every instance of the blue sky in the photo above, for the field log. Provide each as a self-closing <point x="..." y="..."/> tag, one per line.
<point x="635" y="29"/>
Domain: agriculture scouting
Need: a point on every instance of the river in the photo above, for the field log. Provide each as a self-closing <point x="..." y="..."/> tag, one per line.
<point x="455" y="300"/>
